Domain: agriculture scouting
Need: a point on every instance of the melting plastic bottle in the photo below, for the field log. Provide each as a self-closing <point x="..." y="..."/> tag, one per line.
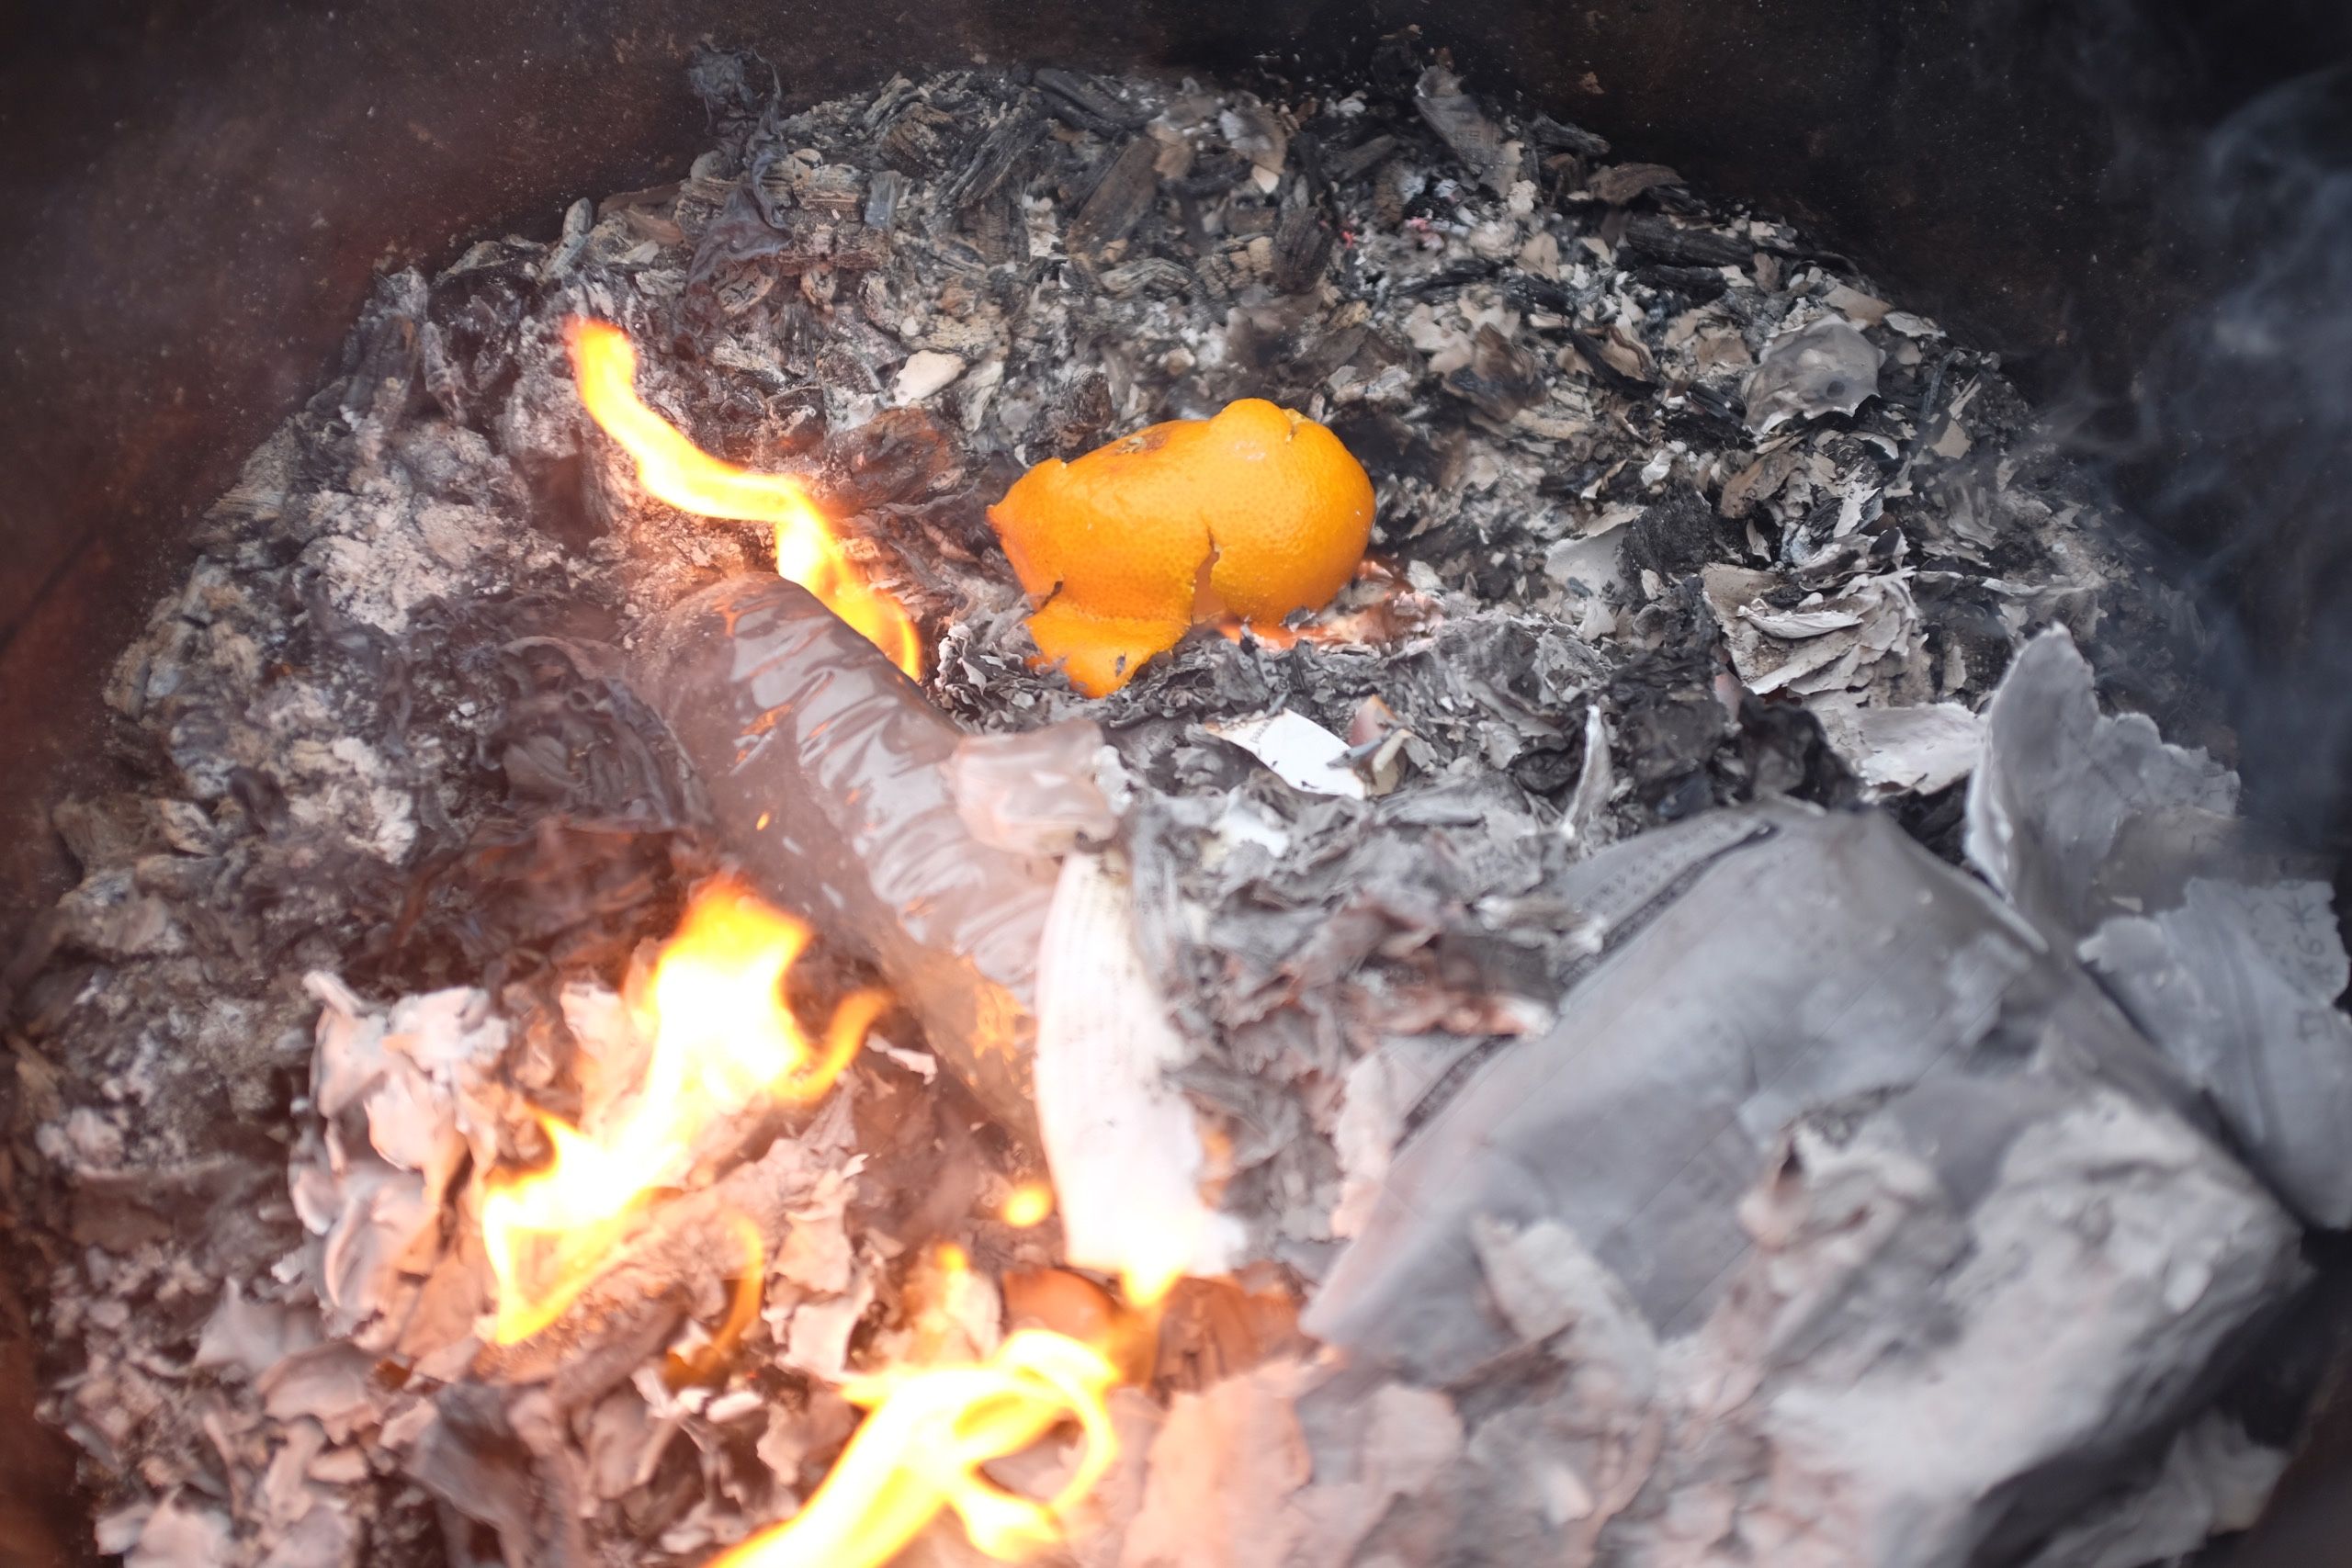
<point x="829" y="776"/>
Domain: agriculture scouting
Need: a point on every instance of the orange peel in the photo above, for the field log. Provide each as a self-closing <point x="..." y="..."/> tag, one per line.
<point x="1255" y="514"/>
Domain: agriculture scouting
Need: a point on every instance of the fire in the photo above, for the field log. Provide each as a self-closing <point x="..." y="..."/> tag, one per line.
<point x="934" y="1431"/>
<point x="924" y="1448"/>
<point x="674" y="469"/>
<point x="1028" y="1205"/>
<point x="722" y="1038"/>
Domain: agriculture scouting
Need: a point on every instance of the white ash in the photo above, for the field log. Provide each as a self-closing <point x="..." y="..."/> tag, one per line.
<point x="356" y="744"/>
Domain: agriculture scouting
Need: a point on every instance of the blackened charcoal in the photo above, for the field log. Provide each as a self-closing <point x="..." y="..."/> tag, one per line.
<point x="1557" y="136"/>
<point x="1085" y="103"/>
<point x="1448" y="280"/>
<point x="1120" y="198"/>
<point x="1001" y="153"/>
<point x="1598" y="363"/>
<point x="1463" y="127"/>
<point x="1539" y="293"/>
<point x="1675" y="538"/>
<point x="1302" y="250"/>
<point x="1363" y="158"/>
<point x="1697" y="284"/>
<point x="916" y="142"/>
<point x="1655" y="239"/>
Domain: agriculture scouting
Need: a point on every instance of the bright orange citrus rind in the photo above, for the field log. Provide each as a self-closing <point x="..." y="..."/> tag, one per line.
<point x="1255" y="514"/>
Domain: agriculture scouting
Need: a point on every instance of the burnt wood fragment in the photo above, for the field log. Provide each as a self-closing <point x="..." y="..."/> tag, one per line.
<point x="1655" y="239"/>
<point x="1120" y="198"/>
<point x="1363" y="158"/>
<point x="1084" y="103"/>
<point x="1000" y="151"/>
<point x="1302" y="248"/>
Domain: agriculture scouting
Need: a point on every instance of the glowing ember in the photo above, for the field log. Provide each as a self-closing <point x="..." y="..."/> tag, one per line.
<point x="1028" y="1205"/>
<point x="722" y="1038"/>
<point x="922" y="1450"/>
<point x="674" y="469"/>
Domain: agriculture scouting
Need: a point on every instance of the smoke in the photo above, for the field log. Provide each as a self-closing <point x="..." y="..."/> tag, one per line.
<point x="2217" y="401"/>
<point x="2241" y="438"/>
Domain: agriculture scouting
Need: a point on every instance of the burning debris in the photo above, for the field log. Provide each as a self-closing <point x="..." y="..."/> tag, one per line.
<point x="618" y="952"/>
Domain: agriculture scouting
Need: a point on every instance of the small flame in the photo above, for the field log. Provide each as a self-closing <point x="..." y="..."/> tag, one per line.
<point x="924" y="1448"/>
<point x="723" y="1037"/>
<point x="674" y="469"/>
<point x="1028" y="1205"/>
<point x="1152" y="1272"/>
<point x="934" y="1429"/>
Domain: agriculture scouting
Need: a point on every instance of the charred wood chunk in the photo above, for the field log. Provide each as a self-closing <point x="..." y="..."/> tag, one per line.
<point x="1392" y="193"/>
<point x="1146" y="276"/>
<point x="997" y="229"/>
<point x="858" y="247"/>
<point x="834" y="189"/>
<point x="916" y="143"/>
<point x="1455" y="116"/>
<point x="1539" y="293"/>
<point x="1085" y="104"/>
<point x="1120" y="198"/>
<point x="1302" y="249"/>
<point x="1243" y="218"/>
<point x="1327" y="351"/>
<point x="386" y="354"/>
<point x="1619" y="184"/>
<point x="1697" y="284"/>
<point x="1210" y="176"/>
<point x="1556" y="136"/>
<point x="1000" y="151"/>
<point x="1649" y="237"/>
<point x="1362" y="159"/>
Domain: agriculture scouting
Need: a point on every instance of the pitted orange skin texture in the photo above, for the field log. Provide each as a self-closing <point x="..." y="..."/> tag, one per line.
<point x="1254" y="514"/>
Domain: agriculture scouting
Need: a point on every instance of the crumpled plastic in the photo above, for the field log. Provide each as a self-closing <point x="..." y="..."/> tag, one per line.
<point x="827" y="774"/>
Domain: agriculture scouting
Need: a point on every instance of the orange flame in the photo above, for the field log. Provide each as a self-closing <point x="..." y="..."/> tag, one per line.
<point x="1028" y="1204"/>
<point x="924" y="1448"/>
<point x="674" y="469"/>
<point x="722" y="1038"/>
<point x="934" y="1431"/>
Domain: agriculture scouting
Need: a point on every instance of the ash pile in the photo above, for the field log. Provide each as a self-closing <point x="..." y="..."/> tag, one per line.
<point x="1689" y="1017"/>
